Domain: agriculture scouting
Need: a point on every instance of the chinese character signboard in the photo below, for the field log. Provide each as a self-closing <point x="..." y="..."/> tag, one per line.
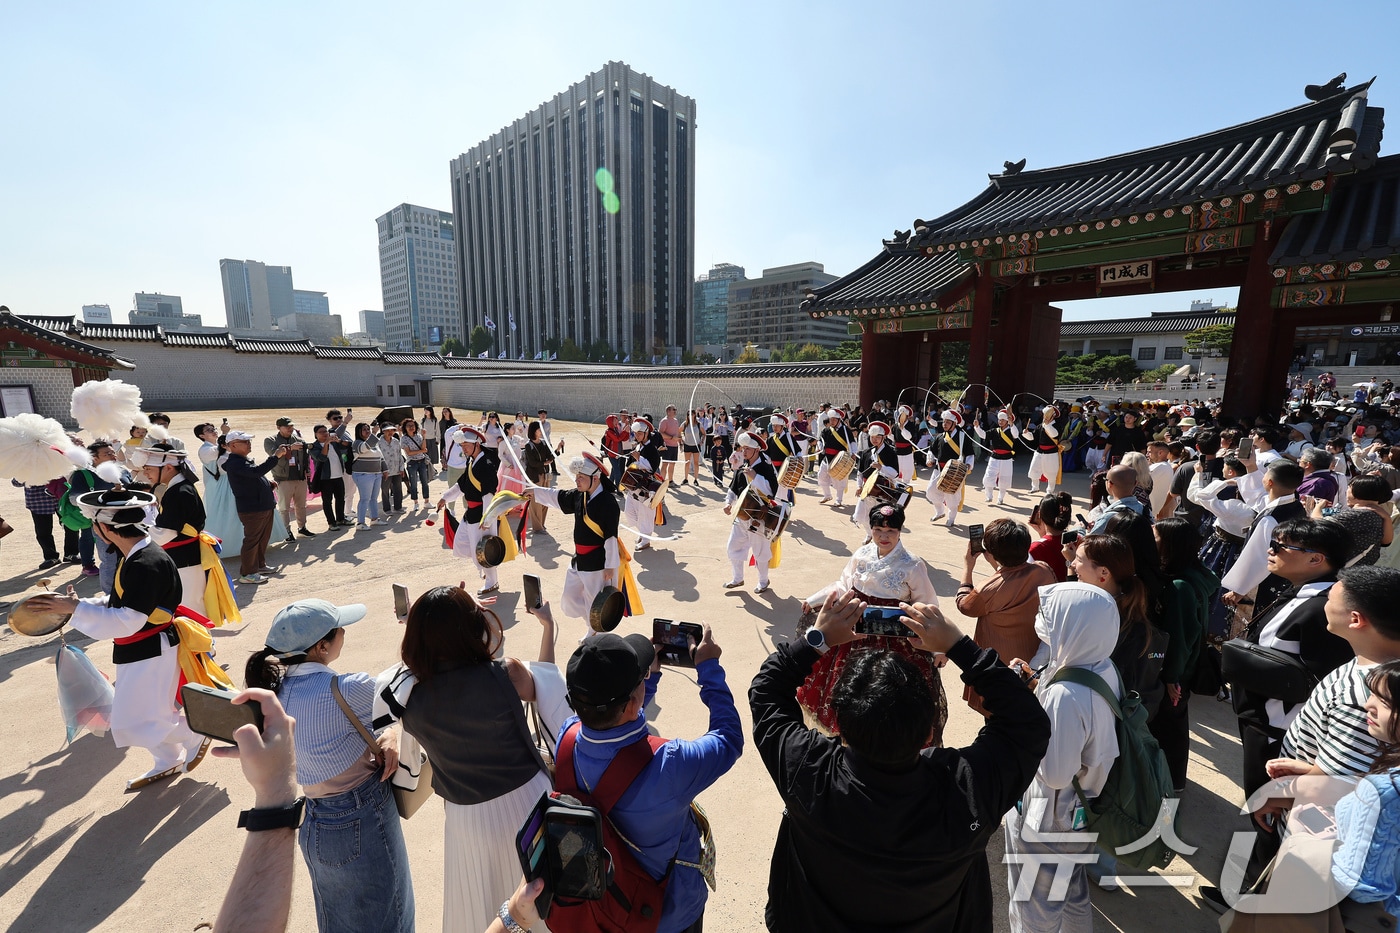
<point x="1126" y="273"/>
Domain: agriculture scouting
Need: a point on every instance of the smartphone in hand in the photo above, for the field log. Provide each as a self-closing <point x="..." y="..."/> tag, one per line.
<point x="530" y="589"/>
<point x="400" y="600"/>
<point x="974" y="538"/>
<point x="211" y="712"/>
<point x="883" y="620"/>
<point x="676" y="641"/>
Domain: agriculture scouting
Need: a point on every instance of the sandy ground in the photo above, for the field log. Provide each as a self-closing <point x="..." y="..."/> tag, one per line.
<point x="76" y="853"/>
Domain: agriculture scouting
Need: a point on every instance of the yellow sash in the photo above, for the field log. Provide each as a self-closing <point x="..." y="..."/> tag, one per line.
<point x="592" y="525"/>
<point x="219" y="604"/>
<point x="841" y="439"/>
<point x="778" y="439"/>
<point x="471" y="475"/>
<point x="1009" y="445"/>
<point x="775" y="553"/>
<point x="957" y="448"/>
<point x="195" y="663"/>
<point x="626" y="582"/>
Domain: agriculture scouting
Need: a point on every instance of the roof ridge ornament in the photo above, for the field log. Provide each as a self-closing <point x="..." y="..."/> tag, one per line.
<point x="1323" y="91"/>
<point x="1010" y="169"/>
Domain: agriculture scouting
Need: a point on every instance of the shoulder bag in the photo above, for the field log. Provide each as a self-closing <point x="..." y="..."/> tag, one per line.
<point x="406" y="800"/>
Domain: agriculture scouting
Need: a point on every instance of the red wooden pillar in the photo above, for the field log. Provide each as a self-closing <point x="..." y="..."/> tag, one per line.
<point x="1255" y="380"/>
<point x="870" y="366"/>
<point x="982" y="299"/>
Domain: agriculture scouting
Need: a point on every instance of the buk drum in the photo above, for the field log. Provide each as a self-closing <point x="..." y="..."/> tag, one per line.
<point x="841" y="466"/>
<point x="891" y="491"/>
<point x="953" y="475"/>
<point x="640" y="482"/>
<point x="794" y="468"/>
<point x="490" y="550"/>
<point x="759" y="513"/>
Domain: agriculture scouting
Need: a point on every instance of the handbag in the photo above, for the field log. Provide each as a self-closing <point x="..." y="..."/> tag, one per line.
<point x="1266" y="671"/>
<point x="432" y="470"/>
<point x="5" y="528"/>
<point x="406" y="800"/>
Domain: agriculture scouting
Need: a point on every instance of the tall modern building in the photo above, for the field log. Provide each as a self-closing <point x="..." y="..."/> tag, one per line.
<point x="166" y="310"/>
<point x="255" y="294"/>
<point x="764" y="311"/>
<point x="577" y="221"/>
<point x="712" y="302"/>
<point x="418" y="277"/>
<point x="307" y="302"/>
<point x="374" y="324"/>
<point x="97" y="314"/>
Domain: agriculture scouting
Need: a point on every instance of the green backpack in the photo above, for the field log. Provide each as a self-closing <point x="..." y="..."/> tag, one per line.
<point x="69" y="514"/>
<point x="1132" y="805"/>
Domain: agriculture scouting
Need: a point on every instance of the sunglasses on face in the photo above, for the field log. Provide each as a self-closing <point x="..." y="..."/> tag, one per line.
<point x="1276" y="546"/>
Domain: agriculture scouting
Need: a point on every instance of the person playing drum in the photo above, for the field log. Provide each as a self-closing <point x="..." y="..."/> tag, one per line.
<point x="837" y="442"/>
<point x="781" y="446"/>
<point x="881" y="573"/>
<point x="596" y="554"/>
<point x="880" y="458"/>
<point x="952" y="453"/>
<point x="1044" y="439"/>
<point x="1002" y="443"/>
<point x="755" y="474"/>
<point x="904" y="430"/>
<point x="475" y="487"/>
<point x="638" y="490"/>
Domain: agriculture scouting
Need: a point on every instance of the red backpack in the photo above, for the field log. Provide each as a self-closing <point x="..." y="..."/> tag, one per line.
<point x="634" y="899"/>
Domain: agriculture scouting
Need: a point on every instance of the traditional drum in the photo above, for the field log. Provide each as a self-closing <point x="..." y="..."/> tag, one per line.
<point x="759" y="513"/>
<point x="888" y="490"/>
<point x="643" y="483"/>
<point x="953" y="475"/>
<point x="841" y="466"/>
<point x="794" y="468"/>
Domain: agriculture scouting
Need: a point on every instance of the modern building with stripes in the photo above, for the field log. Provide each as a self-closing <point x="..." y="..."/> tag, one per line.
<point x="577" y="221"/>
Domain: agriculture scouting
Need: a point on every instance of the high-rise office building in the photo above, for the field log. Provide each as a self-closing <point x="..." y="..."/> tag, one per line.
<point x="764" y="311"/>
<point x="712" y="302"/>
<point x="576" y="222"/>
<point x="374" y="323"/>
<point x="418" y="277"/>
<point x="97" y="314"/>
<point x="307" y="302"/>
<point x="255" y="294"/>
<point x="166" y="310"/>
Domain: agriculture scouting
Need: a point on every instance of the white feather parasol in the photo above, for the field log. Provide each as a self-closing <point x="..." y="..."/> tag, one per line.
<point x="35" y="450"/>
<point x="108" y="408"/>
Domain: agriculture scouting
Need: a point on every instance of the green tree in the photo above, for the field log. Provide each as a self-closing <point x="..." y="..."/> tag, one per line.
<point x="749" y="355"/>
<point x="688" y="358"/>
<point x="481" y="340"/>
<point x="1095" y="368"/>
<point x="552" y="345"/>
<point x="339" y="341"/>
<point x="600" y="351"/>
<point x="809" y="353"/>
<point x="708" y="359"/>
<point x="845" y="350"/>
<point x="453" y="347"/>
<point x="1211" y="340"/>
<point x="572" y="352"/>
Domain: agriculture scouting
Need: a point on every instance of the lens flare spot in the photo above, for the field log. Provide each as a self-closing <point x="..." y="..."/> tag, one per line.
<point x="604" y="180"/>
<point x="611" y="203"/>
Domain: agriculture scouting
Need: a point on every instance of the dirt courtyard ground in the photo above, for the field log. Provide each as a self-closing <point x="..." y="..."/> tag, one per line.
<point x="78" y="854"/>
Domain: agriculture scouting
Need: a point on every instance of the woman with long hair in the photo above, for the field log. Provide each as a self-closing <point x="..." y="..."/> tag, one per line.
<point x="350" y="836"/>
<point x="692" y="439"/>
<point x="368" y="471"/>
<point x="445" y="423"/>
<point x="539" y="458"/>
<point x="417" y="455"/>
<point x="1106" y="561"/>
<point x="431" y="434"/>
<point x="1185" y="613"/>
<point x="464" y="707"/>
<point x="1049" y="520"/>
<point x="722" y="432"/>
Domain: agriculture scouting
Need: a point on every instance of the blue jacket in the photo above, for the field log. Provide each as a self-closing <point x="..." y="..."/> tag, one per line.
<point x="655" y="812"/>
<point x="248" y="481"/>
<point x="1367" y="859"/>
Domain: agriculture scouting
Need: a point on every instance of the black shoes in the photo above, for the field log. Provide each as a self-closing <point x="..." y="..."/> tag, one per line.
<point x="305" y="533"/>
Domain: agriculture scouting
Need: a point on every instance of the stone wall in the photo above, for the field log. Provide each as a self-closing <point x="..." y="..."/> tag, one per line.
<point x="53" y="389"/>
<point x="590" y="396"/>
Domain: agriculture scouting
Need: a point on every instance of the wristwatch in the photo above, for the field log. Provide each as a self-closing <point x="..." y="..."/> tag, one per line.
<point x="288" y="817"/>
<point x="815" y="638"/>
<point x="512" y="926"/>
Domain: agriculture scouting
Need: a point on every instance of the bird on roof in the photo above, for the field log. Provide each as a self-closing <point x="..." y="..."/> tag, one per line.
<point x="1324" y="91"/>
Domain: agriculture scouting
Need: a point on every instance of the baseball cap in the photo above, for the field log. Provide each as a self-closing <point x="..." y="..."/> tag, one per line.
<point x="232" y="436"/>
<point x="299" y="626"/>
<point x="607" y="667"/>
<point x="284" y="422"/>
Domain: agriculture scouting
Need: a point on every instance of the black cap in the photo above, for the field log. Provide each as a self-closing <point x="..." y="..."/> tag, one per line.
<point x="607" y="667"/>
<point x="284" y="422"/>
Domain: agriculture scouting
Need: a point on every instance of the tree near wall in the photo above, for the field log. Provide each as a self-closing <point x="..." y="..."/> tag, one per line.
<point x="1211" y="341"/>
<point x="749" y="355"/>
<point x="481" y="340"/>
<point x="453" y="347"/>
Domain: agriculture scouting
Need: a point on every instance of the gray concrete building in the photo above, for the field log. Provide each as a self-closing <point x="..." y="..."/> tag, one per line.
<point x="166" y="310"/>
<point x="712" y="303"/>
<point x="577" y="221"/>
<point x="764" y="311"/>
<point x="256" y="295"/>
<point x="308" y="302"/>
<point x="418" y="278"/>
<point x="97" y="314"/>
<point x="320" y="329"/>
<point x="374" y="324"/>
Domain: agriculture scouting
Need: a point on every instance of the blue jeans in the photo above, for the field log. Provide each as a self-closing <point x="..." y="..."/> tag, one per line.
<point x="354" y="851"/>
<point x="417" y="473"/>
<point x="85" y="546"/>
<point x="368" y="484"/>
<point x="107" y="559"/>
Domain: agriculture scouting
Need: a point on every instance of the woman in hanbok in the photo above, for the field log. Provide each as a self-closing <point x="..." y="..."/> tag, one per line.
<point x="220" y="512"/>
<point x="881" y="573"/>
<point x="509" y="478"/>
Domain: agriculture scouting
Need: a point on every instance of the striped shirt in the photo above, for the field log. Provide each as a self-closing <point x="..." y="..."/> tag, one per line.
<point x="326" y="742"/>
<point x="1330" y="732"/>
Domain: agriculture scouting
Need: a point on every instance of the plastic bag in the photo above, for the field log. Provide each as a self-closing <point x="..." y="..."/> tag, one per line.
<point x="84" y="693"/>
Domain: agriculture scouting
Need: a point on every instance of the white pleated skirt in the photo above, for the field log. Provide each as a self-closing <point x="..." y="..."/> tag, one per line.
<point x="481" y="866"/>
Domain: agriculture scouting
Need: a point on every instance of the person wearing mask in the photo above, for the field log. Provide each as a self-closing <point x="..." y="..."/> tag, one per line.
<point x="1078" y="627"/>
<point x="1049" y="520"/>
<point x="611" y="679"/>
<point x="252" y="494"/>
<point x="879" y="831"/>
<point x="290" y="476"/>
<point x="368" y="471"/>
<point x="330" y="452"/>
<point x="365" y="887"/>
<point x="1005" y="604"/>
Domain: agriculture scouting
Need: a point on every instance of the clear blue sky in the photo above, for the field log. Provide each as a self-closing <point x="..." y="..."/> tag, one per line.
<point x="143" y="142"/>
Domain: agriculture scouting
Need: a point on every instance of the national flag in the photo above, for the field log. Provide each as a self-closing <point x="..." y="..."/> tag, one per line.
<point x="483" y="355"/>
<point x="511" y="315"/>
<point x="554" y="356"/>
<point x="490" y="324"/>
<point x="502" y="356"/>
<point x="539" y="355"/>
<point x="522" y="354"/>
<point x="628" y="359"/>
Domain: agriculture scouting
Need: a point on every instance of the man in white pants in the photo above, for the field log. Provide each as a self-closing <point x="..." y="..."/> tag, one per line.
<point x="1002" y="442"/>
<point x="903" y="439"/>
<point x="837" y="438"/>
<point x="475" y="487"/>
<point x="596" y="553"/>
<point x="755" y="473"/>
<point x="1045" y="441"/>
<point x="880" y="457"/>
<point x="950" y="444"/>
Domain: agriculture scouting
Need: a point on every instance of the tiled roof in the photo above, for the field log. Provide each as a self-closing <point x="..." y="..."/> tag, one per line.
<point x="757" y="370"/>
<point x="39" y="331"/>
<point x="62" y="324"/>
<point x="1362" y="221"/>
<point x="149" y="332"/>
<point x="422" y="357"/>
<point x="909" y="277"/>
<point x="175" y="338"/>
<point x="245" y="345"/>
<point x="347" y="353"/>
<point x="1169" y="322"/>
<point x="1337" y="135"/>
